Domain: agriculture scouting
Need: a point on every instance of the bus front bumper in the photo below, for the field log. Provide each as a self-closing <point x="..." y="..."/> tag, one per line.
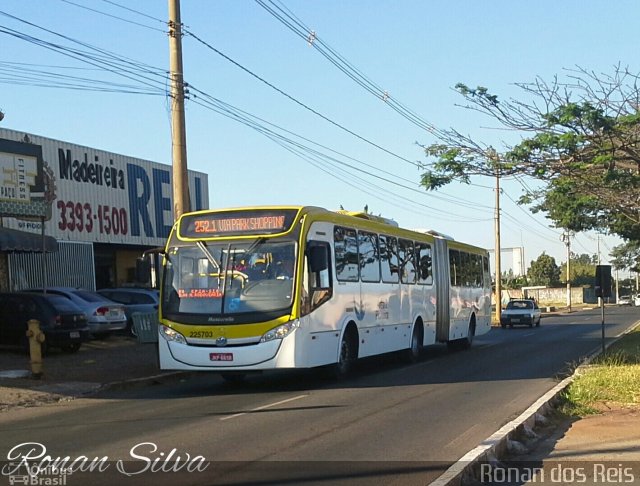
<point x="277" y="353"/>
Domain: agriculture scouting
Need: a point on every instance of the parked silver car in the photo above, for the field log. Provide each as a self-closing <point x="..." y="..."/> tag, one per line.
<point x="103" y="315"/>
<point x="522" y="312"/>
<point x="134" y="300"/>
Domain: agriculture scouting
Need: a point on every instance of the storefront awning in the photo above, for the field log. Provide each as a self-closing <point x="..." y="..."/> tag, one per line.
<point x="14" y="240"/>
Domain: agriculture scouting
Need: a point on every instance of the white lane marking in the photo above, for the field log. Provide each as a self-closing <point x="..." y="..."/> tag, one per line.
<point x="264" y="407"/>
<point x="529" y="334"/>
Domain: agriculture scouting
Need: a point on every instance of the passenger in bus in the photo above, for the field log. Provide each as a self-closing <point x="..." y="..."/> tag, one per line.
<point x="284" y="270"/>
<point x="257" y="270"/>
<point x="241" y="266"/>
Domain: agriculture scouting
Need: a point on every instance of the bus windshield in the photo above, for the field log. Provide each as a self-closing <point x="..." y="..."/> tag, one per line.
<point x="231" y="277"/>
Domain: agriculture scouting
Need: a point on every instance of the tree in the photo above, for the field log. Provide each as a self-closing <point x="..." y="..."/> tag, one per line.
<point x="582" y="269"/>
<point x="544" y="271"/>
<point x="579" y="137"/>
<point x="510" y="281"/>
<point x="626" y="256"/>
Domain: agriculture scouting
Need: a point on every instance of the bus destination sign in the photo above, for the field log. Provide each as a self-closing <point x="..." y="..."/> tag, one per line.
<point x="236" y="223"/>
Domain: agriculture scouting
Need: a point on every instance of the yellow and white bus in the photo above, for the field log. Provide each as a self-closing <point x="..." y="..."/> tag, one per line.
<point x="298" y="287"/>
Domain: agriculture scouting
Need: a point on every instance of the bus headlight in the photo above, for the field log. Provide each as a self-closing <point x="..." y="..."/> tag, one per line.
<point x="172" y="335"/>
<point x="280" y="331"/>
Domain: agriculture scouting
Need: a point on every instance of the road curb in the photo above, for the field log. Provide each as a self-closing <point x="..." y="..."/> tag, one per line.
<point x="466" y="469"/>
<point x="496" y="445"/>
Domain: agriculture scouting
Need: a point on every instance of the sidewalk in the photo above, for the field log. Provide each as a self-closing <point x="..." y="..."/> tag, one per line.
<point x="598" y="449"/>
<point x="115" y="361"/>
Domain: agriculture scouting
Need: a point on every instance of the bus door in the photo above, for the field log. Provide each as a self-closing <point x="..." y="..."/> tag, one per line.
<point x="389" y="305"/>
<point x="347" y="285"/>
<point x="374" y="296"/>
<point x="321" y="315"/>
<point x="410" y="299"/>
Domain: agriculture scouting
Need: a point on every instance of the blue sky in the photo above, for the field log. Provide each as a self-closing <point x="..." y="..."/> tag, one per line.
<point x="416" y="50"/>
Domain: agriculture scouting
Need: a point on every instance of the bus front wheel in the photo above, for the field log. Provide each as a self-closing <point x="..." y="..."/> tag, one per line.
<point x="347" y="355"/>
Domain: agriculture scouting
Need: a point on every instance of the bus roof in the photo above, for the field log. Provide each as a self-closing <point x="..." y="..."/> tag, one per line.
<point x="351" y="218"/>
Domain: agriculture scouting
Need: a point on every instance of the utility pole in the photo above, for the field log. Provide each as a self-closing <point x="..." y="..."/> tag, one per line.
<point x="178" y="130"/>
<point x="566" y="238"/>
<point x="497" y="234"/>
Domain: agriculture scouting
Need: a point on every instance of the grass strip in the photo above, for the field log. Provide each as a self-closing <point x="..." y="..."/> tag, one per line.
<point x="611" y="379"/>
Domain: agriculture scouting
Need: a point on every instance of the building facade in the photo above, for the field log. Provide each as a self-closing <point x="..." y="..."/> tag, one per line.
<point x="103" y="210"/>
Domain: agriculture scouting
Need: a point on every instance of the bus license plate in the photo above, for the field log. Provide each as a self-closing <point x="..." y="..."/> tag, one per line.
<point x="74" y="334"/>
<point x="221" y="356"/>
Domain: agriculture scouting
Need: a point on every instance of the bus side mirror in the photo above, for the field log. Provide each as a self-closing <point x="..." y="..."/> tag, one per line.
<point x="143" y="270"/>
<point x="318" y="258"/>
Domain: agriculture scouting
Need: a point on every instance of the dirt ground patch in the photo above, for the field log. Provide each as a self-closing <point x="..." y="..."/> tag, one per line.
<point x="98" y="362"/>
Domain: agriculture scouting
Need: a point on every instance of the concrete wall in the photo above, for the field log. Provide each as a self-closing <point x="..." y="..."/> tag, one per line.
<point x="557" y="296"/>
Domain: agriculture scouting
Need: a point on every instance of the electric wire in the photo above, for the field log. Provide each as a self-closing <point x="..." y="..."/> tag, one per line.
<point x="300" y="103"/>
<point x="121" y="88"/>
<point x="229" y="111"/>
<point x="442" y="196"/>
<point x="34" y="77"/>
<point x="164" y="22"/>
<point x="106" y="55"/>
<point x="104" y="61"/>
<point x="112" y="16"/>
<point x="292" y="22"/>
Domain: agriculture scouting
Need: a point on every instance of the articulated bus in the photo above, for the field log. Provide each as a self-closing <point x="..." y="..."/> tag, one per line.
<point x="266" y="288"/>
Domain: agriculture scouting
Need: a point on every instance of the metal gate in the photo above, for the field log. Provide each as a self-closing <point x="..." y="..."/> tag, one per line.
<point x="71" y="266"/>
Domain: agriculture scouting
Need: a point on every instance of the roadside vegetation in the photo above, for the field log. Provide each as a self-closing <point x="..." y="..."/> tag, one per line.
<point x="611" y="381"/>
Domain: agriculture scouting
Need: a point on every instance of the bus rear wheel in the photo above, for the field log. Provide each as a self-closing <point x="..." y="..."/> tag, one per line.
<point x="412" y="355"/>
<point x="465" y="342"/>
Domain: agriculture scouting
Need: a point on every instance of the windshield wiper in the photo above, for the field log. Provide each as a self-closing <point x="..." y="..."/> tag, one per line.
<point x="208" y="254"/>
<point x="224" y="281"/>
<point x="255" y="244"/>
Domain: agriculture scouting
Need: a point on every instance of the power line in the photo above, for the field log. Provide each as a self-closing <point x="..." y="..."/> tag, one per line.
<point x="105" y="60"/>
<point x="300" y="103"/>
<point x="135" y="11"/>
<point x="49" y="79"/>
<point x="292" y="22"/>
<point x="250" y="121"/>
<point x="34" y="77"/>
<point x="112" y="16"/>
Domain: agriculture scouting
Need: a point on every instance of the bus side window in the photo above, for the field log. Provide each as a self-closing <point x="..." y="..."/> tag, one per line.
<point x="389" y="259"/>
<point x="319" y="273"/>
<point x="407" y="262"/>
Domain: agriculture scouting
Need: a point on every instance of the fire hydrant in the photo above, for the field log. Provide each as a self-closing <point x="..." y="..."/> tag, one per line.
<point x="36" y="338"/>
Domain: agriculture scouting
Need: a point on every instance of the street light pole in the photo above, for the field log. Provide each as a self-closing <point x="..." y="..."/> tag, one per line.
<point x="178" y="130"/>
<point x="566" y="237"/>
<point x="497" y="237"/>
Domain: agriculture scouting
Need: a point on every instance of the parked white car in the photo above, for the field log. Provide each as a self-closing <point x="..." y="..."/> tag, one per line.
<point x="625" y="300"/>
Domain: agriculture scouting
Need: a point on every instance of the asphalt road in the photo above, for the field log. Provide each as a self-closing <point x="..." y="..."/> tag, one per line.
<point x="390" y="423"/>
